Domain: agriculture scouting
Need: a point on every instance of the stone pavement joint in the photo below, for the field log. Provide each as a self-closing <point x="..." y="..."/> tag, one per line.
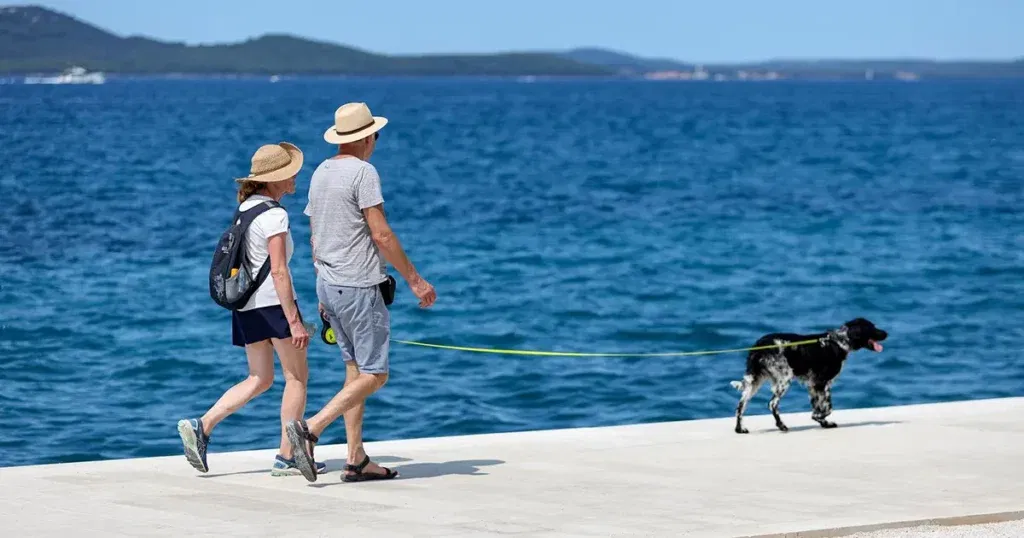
<point x="956" y="521"/>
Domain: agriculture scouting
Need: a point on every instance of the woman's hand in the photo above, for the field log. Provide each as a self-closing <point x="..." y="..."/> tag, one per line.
<point x="300" y="338"/>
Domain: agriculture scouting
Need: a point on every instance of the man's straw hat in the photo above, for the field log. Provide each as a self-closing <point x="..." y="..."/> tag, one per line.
<point x="352" y="122"/>
<point x="274" y="162"/>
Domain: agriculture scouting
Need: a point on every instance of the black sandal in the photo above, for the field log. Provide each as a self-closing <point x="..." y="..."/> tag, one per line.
<point x="360" y="476"/>
<point x="302" y="441"/>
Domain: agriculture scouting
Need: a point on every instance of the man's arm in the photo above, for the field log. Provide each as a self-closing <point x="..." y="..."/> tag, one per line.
<point x="393" y="252"/>
<point x="312" y="246"/>
<point x="388" y="243"/>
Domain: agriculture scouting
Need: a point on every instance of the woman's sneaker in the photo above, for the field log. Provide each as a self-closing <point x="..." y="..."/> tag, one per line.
<point x="194" y="440"/>
<point x="283" y="467"/>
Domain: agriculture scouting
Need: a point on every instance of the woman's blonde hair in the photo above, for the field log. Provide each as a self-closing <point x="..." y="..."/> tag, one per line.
<point x="249" y="188"/>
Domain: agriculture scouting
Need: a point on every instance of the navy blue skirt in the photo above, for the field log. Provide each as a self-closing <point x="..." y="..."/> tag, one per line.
<point x="259" y="324"/>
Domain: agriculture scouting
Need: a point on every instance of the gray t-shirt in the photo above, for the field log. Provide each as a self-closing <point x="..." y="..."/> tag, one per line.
<point x="345" y="253"/>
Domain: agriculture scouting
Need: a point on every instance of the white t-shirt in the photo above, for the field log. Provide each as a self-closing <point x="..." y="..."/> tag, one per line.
<point x="271" y="222"/>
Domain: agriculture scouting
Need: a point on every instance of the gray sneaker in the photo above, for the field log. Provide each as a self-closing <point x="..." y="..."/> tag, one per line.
<point x="194" y="439"/>
<point x="283" y="467"/>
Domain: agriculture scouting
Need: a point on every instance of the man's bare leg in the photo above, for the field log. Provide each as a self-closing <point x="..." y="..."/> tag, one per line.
<point x="304" y="434"/>
<point x="352" y="396"/>
<point x="354" y="426"/>
<point x="353" y="418"/>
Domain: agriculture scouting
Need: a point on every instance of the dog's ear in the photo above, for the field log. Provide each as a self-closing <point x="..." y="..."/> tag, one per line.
<point x="865" y="326"/>
<point x="859" y="331"/>
<point x="854" y="330"/>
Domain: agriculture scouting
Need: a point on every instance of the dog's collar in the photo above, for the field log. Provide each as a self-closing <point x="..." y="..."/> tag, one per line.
<point x="839" y="337"/>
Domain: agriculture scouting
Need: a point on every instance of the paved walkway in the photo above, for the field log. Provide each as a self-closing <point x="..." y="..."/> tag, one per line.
<point x="694" y="478"/>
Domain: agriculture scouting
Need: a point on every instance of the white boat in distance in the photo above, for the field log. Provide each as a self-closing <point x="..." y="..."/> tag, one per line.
<point x="74" y="75"/>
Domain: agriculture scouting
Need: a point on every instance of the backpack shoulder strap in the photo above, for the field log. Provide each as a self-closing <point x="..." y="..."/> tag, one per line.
<point x="247" y="217"/>
<point x="250" y="214"/>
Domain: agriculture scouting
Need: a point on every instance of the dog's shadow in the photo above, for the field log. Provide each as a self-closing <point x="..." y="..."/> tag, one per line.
<point x="841" y="425"/>
<point x="421" y="470"/>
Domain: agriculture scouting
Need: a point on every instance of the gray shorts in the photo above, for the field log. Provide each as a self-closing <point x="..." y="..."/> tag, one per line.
<point x="361" y="323"/>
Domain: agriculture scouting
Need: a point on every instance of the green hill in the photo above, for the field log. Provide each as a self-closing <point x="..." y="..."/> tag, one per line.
<point x="623" y="63"/>
<point x="36" y="39"/>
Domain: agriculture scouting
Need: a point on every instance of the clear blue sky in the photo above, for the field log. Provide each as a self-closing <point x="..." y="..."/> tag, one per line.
<point x="690" y="30"/>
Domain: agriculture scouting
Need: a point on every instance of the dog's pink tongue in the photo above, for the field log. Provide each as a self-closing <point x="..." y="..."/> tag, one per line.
<point x="875" y="346"/>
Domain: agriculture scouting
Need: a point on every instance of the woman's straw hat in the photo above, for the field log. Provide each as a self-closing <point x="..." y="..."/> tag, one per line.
<point x="353" y="121"/>
<point x="274" y="162"/>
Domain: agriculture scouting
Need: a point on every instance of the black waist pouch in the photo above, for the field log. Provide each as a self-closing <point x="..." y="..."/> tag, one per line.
<point x="387" y="290"/>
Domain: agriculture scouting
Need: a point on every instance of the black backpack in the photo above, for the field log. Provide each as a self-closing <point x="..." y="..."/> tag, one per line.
<point x="231" y="283"/>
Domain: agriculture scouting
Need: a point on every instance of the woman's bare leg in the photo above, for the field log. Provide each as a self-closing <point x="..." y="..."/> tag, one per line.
<point x="261" y="378"/>
<point x="195" y="432"/>
<point x="296" y="376"/>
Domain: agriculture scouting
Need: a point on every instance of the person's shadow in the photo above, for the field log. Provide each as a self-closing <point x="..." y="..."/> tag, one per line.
<point x="420" y="470"/>
<point x="332" y="466"/>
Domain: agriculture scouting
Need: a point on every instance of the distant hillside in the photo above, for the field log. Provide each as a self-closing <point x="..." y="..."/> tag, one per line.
<point x="622" y="63"/>
<point x="36" y="39"/>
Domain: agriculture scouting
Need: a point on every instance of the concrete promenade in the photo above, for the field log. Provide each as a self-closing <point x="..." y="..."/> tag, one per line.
<point x="946" y="463"/>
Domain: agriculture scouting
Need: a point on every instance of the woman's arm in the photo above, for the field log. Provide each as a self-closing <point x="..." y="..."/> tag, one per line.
<point x="283" y="286"/>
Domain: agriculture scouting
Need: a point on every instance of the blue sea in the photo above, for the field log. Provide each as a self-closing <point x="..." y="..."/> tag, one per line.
<point x="562" y="215"/>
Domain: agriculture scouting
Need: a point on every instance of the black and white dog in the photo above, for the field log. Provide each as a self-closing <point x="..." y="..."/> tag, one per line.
<point x="816" y="365"/>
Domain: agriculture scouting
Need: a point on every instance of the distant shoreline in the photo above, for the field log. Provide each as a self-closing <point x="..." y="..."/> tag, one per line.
<point x="717" y="74"/>
<point x="526" y="79"/>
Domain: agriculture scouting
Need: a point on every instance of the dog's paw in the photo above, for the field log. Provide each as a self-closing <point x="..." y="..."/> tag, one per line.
<point x="740" y="429"/>
<point x="827" y="425"/>
<point x="782" y="427"/>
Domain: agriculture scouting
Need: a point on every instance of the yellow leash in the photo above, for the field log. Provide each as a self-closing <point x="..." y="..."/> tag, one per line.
<point x="328" y="336"/>
<point x="578" y="354"/>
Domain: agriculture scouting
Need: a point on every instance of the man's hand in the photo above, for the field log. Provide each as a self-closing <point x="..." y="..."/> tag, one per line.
<point x="424" y="291"/>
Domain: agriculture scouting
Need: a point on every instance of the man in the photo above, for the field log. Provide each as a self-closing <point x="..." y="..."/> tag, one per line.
<point x="349" y="234"/>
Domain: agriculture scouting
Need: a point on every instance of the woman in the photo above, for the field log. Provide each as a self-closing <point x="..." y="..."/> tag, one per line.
<point x="270" y="321"/>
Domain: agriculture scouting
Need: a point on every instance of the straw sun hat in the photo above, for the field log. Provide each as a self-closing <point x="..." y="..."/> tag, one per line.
<point x="274" y="162"/>
<point x="352" y="122"/>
